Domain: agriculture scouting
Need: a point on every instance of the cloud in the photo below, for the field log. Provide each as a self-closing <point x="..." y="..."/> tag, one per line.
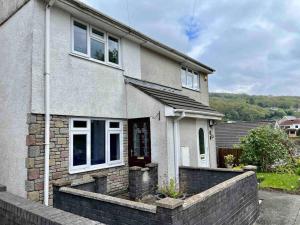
<point x="254" y="45"/>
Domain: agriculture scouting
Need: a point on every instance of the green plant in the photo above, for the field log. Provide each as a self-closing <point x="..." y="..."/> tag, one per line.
<point x="265" y="145"/>
<point x="297" y="171"/>
<point x="170" y="190"/>
<point x="229" y="159"/>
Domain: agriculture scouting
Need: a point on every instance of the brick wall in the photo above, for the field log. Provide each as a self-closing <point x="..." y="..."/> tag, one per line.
<point x="234" y="202"/>
<point x="15" y="210"/>
<point x="194" y="179"/>
<point x="117" y="177"/>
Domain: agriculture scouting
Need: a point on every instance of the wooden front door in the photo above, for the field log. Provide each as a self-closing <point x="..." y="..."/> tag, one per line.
<point x="139" y="142"/>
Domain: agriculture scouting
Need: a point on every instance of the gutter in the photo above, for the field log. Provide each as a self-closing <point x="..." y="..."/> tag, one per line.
<point x="47" y="100"/>
<point x="198" y="112"/>
<point x="177" y="146"/>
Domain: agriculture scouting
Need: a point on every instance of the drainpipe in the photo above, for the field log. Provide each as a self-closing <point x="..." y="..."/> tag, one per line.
<point x="177" y="146"/>
<point x="47" y="101"/>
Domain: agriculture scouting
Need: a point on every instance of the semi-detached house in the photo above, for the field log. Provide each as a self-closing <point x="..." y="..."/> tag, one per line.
<point x="82" y="93"/>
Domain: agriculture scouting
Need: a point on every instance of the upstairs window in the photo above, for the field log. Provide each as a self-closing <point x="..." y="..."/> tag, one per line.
<point x="95" y="44"/>
<point x="190" y="79"/>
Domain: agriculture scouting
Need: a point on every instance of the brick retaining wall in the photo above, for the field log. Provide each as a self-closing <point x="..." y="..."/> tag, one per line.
<point x="195" y="179"/>
<point x="234" y="202"/>
<point x="117" y="177"/>
<point x="15" y="210"/>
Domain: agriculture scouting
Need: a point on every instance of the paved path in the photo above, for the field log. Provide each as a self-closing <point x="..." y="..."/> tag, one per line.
<point x="279" y="209"/>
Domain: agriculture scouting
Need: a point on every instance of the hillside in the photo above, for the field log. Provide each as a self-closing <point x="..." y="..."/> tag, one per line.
<point x="242" y="107"/>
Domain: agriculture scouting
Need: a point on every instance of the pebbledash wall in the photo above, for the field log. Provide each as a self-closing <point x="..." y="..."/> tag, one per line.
<point x="117" y="177"/>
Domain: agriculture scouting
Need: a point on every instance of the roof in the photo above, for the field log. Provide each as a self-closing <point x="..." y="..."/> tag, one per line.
<point x="170" y="96"/>
<point x="290" y="122"/>
<point x="229" y="134"/>
<point x="136" y="33"/>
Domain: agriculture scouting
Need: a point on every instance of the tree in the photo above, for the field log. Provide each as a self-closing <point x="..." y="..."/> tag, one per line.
<point x="265" y="145"/>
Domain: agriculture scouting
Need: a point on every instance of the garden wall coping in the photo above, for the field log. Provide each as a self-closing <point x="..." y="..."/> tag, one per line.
<point x="211" y="169"/>
<point x="211" y="191"/>
<point x="169" y="203"/>
<point x="110" y="199"/>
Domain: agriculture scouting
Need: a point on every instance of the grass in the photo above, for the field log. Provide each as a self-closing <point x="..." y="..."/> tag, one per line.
<point x="285" y="182"/>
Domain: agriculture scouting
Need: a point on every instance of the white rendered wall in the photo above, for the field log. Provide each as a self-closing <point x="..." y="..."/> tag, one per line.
<point x="15" y="73"/>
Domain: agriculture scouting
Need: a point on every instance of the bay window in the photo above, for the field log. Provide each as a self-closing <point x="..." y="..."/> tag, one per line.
<point x="190" y="79"/>
<point x="95" y="44"/>
<point x="94" y="144"/>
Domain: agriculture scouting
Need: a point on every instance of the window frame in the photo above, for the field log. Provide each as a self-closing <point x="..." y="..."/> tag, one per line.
<point x="88" y="166"/>
<point x="184" y="73"/>
<point x="90" y="36"/>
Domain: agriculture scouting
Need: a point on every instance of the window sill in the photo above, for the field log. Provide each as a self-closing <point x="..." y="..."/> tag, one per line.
<point x="95" y="61"/>
<point x="190" y="89"/>
<point x="83" y="170"/>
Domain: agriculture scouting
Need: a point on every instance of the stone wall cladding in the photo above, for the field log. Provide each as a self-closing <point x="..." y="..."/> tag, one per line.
<point x="117" y="177"/>
<point x="15" y="210"/>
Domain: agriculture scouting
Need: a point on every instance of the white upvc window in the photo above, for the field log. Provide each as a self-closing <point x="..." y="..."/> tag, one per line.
<point x="95" y="144"/>
<point x="95" y="44"/>
<point x="190" y="79"/>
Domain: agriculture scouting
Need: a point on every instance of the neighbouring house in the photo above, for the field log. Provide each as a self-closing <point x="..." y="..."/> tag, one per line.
<point x="228" y="137"/>
<point x="84" y="94"/>
<point x="291" y="125"/>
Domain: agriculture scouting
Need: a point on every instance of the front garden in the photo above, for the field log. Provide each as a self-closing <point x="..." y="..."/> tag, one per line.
<point x="274" y="155"/>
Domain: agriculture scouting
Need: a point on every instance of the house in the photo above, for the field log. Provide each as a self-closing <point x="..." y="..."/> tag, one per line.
<point x="291" y="125"/>
<point x="228" y="137"/>
<point x="84" y="94"/>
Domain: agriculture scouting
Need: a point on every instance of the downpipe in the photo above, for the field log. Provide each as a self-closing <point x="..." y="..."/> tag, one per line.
<point x="47" y="101"/>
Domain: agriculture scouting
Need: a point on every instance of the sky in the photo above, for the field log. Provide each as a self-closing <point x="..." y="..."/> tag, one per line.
<point x="253" y="45"/>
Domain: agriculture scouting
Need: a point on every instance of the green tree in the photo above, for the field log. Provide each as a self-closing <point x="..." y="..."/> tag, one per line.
<point x="265" y="145"/>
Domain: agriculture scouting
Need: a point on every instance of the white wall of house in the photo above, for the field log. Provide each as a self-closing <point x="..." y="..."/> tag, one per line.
<point x="160" y="69"/>
<point x="141" y="105"/>
<point x="15" y="90"/>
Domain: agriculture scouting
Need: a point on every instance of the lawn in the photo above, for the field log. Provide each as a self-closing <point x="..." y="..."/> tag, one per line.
<point x="284" y="182"/>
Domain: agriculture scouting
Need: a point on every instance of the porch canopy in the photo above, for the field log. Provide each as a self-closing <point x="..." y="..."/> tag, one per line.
<point x="176" y="103"/>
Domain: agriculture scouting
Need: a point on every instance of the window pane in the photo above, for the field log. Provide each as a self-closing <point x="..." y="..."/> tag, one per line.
<point x="80" y="37"/>
<point x="189" y="79"/>
<point x="97" y="50"/>
<point x="183" y="77"/>
<point x="97" y="33"/>
<point x="201" y="141"/>
<point x="79" y="124"/>
<point x="113" y="50"/>
<point x="114" y="125"/>
<point x="196" y="82"/>
<point x="114" y="147"/>
<point x="79" y="149"/>
<point x="97" y="142"/>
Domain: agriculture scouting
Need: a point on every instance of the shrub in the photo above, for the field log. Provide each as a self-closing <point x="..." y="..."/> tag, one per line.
<point x="265" y="145"/>
<point x="229" y="159"/>
<point x="298" y="171"/>
<point x="170" y="190"/>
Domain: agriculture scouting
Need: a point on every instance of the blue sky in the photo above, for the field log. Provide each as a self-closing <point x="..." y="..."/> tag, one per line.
<point x="254" y="45"/>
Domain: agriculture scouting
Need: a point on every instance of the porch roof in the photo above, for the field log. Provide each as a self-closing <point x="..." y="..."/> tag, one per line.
<point x="170" y="97"/>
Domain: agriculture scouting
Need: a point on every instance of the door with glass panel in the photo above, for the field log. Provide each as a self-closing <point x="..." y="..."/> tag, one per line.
<point x="139" y="143"/>
<point x="203" y="146"/>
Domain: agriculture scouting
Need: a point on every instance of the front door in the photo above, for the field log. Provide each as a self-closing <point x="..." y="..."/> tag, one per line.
<point x="203" y="149"/>
<point x="139" y="145"/>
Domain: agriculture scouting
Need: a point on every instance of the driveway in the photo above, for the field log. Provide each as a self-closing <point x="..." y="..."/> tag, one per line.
<point x="279" y="209"/>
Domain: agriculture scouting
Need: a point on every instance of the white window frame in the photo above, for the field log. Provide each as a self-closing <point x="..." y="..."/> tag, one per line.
<point x="90" y="36"/>
<point x="87" y="131"/>
<point x="119" y="49"/>
<point x="194" y="73"/>
<point x="87" y="37"/>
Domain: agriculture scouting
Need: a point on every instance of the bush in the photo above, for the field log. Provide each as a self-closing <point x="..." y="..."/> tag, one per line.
<point x="229" y="159"/>
<point x="298" y="171"/>
<point x="264" y="146"/>
<point x="170" y="190"/>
